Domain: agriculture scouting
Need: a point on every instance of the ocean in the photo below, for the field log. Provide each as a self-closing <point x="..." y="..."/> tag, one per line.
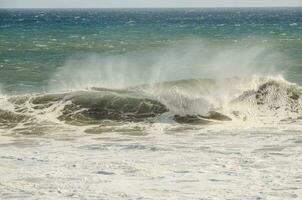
<point x="191" y="103"/>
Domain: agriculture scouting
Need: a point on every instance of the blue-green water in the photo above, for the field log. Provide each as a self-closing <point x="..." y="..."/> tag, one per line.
<point x="35" y="45"/>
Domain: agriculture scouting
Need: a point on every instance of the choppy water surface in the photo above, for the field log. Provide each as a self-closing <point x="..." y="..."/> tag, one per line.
<point x="151" y="104"/>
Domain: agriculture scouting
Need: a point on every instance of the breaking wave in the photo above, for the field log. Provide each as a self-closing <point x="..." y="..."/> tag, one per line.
<point x="192" y="101"/>
<point x="181" y="84"/>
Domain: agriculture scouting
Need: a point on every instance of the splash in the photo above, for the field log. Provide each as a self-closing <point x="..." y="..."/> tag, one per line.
<point x="202" y="102"/>
<point x="194" y="59"/>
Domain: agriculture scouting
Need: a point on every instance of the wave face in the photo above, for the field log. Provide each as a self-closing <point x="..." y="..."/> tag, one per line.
<point x="193" y="101"/>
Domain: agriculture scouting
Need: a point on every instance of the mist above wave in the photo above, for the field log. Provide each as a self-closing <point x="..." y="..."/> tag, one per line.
<point x="189" y="59"/>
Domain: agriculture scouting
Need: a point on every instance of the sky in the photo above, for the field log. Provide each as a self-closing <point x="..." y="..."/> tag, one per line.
<point x="144" y="3"/>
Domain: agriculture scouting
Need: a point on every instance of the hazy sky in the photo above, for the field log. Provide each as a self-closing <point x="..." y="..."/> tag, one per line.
<point x="144" y="3"/>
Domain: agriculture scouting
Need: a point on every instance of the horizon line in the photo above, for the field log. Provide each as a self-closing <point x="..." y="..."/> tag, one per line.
<point x="177" y="7"/>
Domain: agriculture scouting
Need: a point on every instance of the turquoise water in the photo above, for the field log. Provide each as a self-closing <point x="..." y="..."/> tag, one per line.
<point x="37" y="44"/>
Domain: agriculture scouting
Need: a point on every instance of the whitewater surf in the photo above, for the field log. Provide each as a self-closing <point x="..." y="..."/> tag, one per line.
<point x="194" y="101"/>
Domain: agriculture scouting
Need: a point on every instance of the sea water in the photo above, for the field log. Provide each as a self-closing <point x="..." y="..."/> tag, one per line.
<point x="151" y="103"/>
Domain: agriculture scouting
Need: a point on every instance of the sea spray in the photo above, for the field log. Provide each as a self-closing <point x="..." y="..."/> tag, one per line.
<point x="195" y="59"/>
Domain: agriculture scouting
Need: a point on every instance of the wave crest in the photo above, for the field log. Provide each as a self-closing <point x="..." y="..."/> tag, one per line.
<point x="191" y="101"/>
